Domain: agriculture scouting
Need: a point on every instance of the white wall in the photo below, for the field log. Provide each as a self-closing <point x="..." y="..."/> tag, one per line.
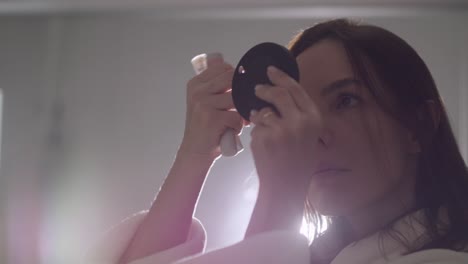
<point x="122" y="80"/>
<point x="24" y="80"/>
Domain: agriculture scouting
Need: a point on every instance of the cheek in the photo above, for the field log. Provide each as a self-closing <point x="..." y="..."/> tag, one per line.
<point x="350" y="149"/>
<point x="371" y="151"/>
<point x="354" y="187"/>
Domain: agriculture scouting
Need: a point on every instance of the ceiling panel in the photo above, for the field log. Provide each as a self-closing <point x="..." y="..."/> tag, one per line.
<point x="39" y="6"/>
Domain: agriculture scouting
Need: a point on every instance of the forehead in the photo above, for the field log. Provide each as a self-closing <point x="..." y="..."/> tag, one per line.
<point x="323" y="63"/>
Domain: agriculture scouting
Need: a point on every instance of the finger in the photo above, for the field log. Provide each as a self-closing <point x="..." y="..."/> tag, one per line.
<point x="221" y="101"/>
<point x="212" y="72"/>
<point x="221" y="83"/>
<point x="278" y="96"/>
<point x="268" y="117"/>
<point x="298" y="94"/>
<point x="202" y="61"/>
<point x="233" y="120"/>
<point x="213" y="63"/>
<point x="265" y="117"/>
<point x="208" y="75"/>
<point x="214" y="59"/>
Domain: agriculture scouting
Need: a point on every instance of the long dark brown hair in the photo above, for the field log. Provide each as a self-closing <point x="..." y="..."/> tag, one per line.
<point x="382" y="60"/>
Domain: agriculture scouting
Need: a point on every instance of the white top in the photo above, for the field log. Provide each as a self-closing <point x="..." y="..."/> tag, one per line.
<point x="276" y="247"/>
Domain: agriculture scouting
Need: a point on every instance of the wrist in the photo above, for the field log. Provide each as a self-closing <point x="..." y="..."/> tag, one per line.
<point x="185" y="153"/>
<point x="193" y="164"/>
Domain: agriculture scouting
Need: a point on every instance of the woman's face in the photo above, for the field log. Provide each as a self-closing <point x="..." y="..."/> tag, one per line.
<point x="368" y="154"/>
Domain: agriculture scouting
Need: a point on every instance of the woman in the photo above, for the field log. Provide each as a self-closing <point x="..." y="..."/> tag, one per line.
<point x="363" y="142"/>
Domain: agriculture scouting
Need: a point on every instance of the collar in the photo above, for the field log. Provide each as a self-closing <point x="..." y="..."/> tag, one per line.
<point x="409" y="229"/>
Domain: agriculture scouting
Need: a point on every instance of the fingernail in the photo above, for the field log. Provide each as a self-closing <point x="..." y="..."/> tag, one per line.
<point x="258" y="87"/>
<point x="253" y="112"/>
<point x="272" y="69"/>
<point x="214" y="55"/>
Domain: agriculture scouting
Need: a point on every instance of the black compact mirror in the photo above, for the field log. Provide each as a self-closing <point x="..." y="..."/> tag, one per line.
<point x="251" y="70"/>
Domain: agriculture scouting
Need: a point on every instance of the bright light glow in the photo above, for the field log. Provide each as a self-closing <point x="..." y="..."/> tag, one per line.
<point x="251" y="188"/>
<point x="308" y="230"/>
<point x="250" y="195"/>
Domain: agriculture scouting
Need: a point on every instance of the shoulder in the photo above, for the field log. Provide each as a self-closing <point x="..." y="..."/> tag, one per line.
<point x="433" y="256"/>
<point x="111" y="244"/>
<point x="275" y="247"/>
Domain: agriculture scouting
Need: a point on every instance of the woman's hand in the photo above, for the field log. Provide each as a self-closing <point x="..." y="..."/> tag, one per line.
<point x="209" y="110"/>
<point x="284" y="145"/>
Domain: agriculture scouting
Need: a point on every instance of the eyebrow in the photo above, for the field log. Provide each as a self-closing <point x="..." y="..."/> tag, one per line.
<point x="337" y="85"/>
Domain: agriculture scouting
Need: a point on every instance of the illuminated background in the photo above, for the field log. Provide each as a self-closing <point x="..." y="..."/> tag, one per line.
<point x="94" y="105"/>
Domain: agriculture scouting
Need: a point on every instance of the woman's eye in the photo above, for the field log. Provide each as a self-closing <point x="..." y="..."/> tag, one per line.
<point x="347" y="100"/>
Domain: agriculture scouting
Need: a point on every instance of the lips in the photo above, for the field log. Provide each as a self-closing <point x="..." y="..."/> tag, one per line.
<point x="324" y="168"/>
<point x="329" y="170"/>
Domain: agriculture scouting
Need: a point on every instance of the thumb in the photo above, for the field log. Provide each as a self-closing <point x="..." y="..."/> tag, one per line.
<point x="213" y="59"/>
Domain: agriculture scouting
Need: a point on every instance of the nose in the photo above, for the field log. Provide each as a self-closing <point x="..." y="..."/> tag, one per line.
<point x="325" y="137"/>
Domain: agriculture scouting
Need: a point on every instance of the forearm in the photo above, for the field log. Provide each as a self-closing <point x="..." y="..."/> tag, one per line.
<point x="168" y="221"/>
<point x="276" y="209"/>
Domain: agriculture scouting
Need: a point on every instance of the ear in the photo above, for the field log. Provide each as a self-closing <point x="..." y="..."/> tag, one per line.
<point x="430" y="125"/>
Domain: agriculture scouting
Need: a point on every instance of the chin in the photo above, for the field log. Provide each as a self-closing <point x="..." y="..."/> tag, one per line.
<point x="332" y="205"/>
